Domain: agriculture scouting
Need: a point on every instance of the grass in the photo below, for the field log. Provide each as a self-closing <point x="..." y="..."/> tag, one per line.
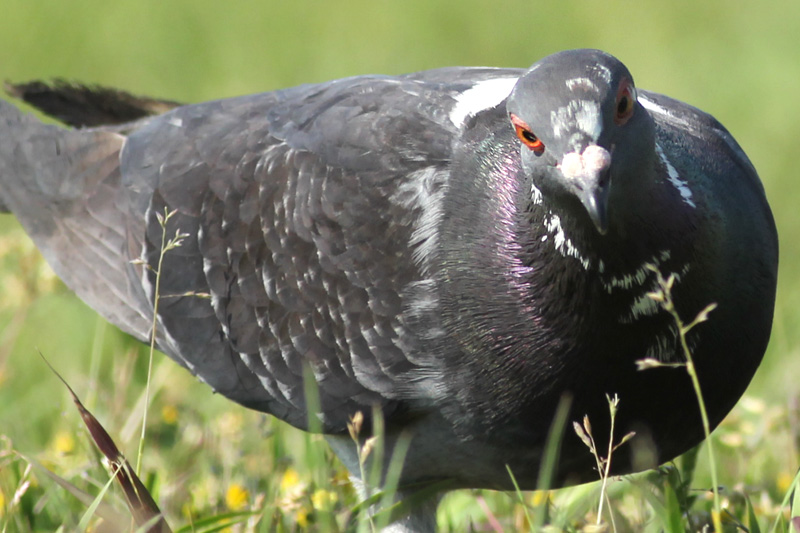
<point x="206" y="477"/>
<point x="207" y="461"/>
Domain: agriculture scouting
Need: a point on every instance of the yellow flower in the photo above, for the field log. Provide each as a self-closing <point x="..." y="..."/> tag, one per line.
<point x="64" y="442"/>
<point x="2" y="504"/>
<point x="169" y="414"/>
<point x="302" y="518"/>
<point x="323" y="500"/>
<point x="236" y="497"/>
<point x="289" y="480"/>
<point x="784" y="481"/>
<point x="540" y="497"/>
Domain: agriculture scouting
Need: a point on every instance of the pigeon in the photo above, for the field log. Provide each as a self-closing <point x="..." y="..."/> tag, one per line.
<point x="460" y="252"/>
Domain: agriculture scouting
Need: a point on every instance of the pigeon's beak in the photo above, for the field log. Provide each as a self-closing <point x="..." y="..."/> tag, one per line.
<point x="596" y="204"/>
<point x="587" y="175"/>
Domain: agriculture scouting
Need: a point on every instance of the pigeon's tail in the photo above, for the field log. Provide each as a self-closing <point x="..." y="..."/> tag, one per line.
<point x="64" y="187"/>
<point x="83" y="106"/>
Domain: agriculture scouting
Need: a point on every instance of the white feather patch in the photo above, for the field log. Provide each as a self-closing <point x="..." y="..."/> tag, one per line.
<point x="561" y="242"/>
<point x="585" y="114"/>
<point x="483" y="95"/>
<point x="675" y="179"/>
<point x="655" y="108"/>
<point x="581" y="83"/>
<point x="536" y="195"/>
<point x="636" y="278"/>
<point x="424" y="190"/>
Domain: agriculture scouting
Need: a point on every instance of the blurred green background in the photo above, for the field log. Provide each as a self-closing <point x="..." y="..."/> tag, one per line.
<point x="739" y="61"/>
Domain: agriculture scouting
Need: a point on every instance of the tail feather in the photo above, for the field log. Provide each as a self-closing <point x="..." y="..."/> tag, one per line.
<point x="82" y="106"/>
<point x="64" y="186"/>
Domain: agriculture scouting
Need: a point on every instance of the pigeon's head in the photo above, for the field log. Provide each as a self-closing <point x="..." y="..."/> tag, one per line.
<point x="583" y="134"/>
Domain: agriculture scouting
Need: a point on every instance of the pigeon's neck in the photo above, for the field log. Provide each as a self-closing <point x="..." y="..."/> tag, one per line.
<point x="537" y="301"/>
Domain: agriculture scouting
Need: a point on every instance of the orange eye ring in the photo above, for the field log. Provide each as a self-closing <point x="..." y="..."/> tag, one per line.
<point x="526" y="136"/>
<point x="626" y="102"/>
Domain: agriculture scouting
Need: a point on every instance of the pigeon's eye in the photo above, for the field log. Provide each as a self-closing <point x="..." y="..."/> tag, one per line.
<point x="626" y="100"/>
<point x="526" y="135"/>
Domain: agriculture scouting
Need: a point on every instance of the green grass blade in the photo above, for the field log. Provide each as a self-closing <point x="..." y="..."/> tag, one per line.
<point x="789" y="494"/>
<point x="83" y="525"/>
<point x="393" y="475"/>
<point x="220" y="520"/>
<point x="549" y="465"/>
<point x="752" y="519"/>
<point x="673" y="515"/>
<point x="103" y="510"/>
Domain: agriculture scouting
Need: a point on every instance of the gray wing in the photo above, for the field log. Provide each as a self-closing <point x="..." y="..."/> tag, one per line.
<point x="299" y="228"/>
